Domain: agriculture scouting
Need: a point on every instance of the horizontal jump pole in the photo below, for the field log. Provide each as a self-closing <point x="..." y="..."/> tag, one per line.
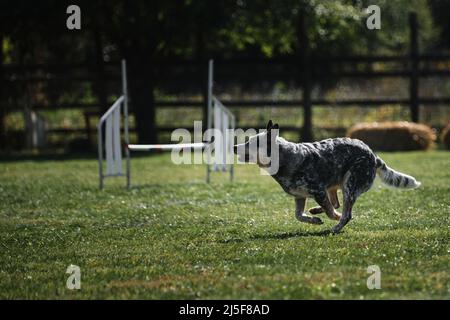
<point x="178" y="146"/>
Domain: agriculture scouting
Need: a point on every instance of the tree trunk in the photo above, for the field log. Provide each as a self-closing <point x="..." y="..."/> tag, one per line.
<point x="100" y="88"/>
<point x="142" y="99"/>
<point x="414" y="74"/>
<point x="139" y="47"/>
<point x="306" y="134"/>
<point x="202" y="65"/>
<point x="2" y="100"/>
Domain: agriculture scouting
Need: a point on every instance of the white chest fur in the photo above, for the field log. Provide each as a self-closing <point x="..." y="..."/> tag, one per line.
<point x="299" y="192"/>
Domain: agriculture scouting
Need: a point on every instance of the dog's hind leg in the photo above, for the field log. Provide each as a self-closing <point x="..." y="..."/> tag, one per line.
<point x="300" y="212"/>
<point x="323" y="200"/>
<point x="332" y="195"/>
<point x="349" y="200"/>
<point x="356" y="181"/>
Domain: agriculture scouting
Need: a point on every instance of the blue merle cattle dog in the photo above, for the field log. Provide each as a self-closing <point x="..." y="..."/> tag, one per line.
<point x="319" y="169"/>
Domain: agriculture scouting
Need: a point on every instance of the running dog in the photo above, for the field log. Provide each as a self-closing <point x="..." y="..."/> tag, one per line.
<point x="318" y="170"/>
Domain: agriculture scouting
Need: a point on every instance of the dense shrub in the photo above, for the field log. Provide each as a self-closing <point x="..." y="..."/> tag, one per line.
<point x="394" y="136"/>
<point x="445" y="137"/>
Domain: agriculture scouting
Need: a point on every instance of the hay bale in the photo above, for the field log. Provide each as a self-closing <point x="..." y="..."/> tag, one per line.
<point x="445" y="137"/>
<point x="394" y="136"/>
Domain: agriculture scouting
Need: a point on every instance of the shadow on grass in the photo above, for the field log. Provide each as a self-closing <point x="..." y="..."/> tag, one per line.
<point x="296" y="234"/>
<point x="281" y="236"/>
<point x="53" y="156"/>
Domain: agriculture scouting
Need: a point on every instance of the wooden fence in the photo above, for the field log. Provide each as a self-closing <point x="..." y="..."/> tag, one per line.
<point x="305" y="70"/>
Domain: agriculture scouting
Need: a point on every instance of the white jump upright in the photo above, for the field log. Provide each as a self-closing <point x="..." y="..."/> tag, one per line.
<point x="110" y="146"/>
<point x="110" y="121"/>
<point x="223" y="120"/>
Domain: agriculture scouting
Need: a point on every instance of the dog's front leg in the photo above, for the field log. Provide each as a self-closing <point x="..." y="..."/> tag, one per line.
<point x="324" y="201"/>
<point x="300" y="212"/>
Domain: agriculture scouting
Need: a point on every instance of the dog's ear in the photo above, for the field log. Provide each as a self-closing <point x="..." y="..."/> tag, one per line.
<point x="274" y="127"/>
<point x="269" y="125"/>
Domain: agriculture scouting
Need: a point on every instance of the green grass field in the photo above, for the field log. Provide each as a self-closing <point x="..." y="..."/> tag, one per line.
<point x="173" y="236"/>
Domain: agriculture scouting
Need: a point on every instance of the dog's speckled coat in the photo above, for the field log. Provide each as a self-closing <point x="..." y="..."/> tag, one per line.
<point x="317" y="170"/>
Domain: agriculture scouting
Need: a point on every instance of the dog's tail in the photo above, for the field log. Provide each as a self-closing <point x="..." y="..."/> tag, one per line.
<point x="394" y="178"/>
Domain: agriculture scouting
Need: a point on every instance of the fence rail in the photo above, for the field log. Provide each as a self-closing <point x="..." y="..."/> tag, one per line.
<point x="262" y="103"/>
<point x="305" y="70"/>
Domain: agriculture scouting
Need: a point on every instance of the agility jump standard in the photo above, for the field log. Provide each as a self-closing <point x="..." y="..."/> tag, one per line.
<point x="219" y="117"/>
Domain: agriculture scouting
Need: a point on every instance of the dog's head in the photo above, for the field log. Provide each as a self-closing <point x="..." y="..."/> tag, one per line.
<point x="258" y="148"/>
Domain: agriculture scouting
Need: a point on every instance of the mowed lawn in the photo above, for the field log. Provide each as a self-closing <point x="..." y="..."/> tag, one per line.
<point x="174" y="236"/>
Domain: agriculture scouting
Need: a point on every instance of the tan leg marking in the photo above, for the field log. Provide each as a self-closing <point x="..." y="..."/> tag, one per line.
<point x="300" y="212"/>
<point x="332" y="196"/>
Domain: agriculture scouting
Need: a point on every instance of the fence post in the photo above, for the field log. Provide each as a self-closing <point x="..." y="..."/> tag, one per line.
<point x="202" y="65"/>
<point x="100" y="79"/>
<point x="305" y="70"/>
<point x="98" y="75"/>
<point x="414" y="68"/>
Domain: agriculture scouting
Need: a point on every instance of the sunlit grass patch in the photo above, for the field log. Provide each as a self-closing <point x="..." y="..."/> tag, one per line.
<point x="174" y="236"/>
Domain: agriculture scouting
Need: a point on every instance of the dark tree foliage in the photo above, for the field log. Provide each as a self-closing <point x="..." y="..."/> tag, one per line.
<point x="148" y="32"/>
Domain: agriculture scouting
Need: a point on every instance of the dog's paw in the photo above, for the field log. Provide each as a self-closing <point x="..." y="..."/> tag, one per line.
<point x="315" y="220"/>
<point x="336" y="229"/>
<point x="316" y="210"/>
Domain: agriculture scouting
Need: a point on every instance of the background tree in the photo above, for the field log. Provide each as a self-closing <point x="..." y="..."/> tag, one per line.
<point x="147" y="33"/>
